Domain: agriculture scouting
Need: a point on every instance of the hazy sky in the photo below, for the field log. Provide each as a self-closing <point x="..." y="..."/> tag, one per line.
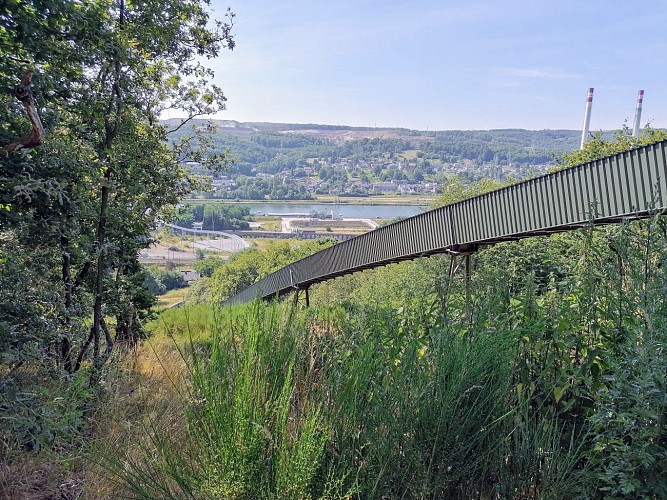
<point x="447" y="64"/>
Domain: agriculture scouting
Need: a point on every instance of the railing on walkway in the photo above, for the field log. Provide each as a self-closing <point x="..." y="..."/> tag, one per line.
<point x="625" y="186"/>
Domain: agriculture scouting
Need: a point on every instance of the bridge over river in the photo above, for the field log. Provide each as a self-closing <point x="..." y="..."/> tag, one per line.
<point x="626" y="186"/>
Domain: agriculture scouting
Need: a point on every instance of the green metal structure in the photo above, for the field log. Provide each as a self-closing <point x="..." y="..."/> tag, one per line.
<point x="626" y="186"/>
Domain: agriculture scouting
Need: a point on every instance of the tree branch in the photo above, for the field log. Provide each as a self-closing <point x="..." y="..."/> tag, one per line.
<point x="185" y="120"/>
<point x="37" y="134"/>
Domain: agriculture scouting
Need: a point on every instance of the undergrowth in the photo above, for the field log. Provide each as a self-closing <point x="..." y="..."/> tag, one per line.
<point x="548" y="382"/>
<point x="287" y="403"/>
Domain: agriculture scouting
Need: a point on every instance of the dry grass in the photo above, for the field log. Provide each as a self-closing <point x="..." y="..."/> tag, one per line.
<point x="262" y="244"/>
<point x="168" y="238"/>
<point x="385" y="199"/>
<point x="166" y="300"/>
<point x="409" y="154"/>
<point x="40" y="477"/>
<point x="328" y="227"/>
<point x="148" y="395"/>
<point x="269" y="223"/>
<point x="148" y="400"/>
<point x="142" y="390"/>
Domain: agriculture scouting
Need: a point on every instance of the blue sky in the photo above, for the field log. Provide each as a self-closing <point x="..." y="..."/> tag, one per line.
<point x="448" y="64"/>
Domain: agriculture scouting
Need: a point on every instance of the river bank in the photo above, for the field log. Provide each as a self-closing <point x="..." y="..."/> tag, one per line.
<point x="332" y="200"/>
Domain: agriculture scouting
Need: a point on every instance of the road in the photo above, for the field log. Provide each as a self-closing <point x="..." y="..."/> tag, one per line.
<point x="220" y="245"/>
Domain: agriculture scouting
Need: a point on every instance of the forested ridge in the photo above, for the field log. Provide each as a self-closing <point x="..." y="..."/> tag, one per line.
<point x="270" y="148"/>
<point x="542" y="376"/>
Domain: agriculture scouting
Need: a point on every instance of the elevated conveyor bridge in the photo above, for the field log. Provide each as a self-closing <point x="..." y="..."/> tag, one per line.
<point x="626" y="186"/>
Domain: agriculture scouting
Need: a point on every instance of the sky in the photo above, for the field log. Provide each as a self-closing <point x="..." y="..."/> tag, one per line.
<point x="445" y="65"/>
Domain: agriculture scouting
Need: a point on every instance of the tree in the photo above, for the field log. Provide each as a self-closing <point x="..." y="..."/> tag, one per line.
<point x="623" y="140"/>
<point x="418" y="175"/>
<point x="456" y="190"/>
<point x="245" y="268"/>
<point x="102" y="73"/>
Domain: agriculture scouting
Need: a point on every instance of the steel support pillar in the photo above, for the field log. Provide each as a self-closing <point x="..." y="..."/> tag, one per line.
<point x="306" y="301"/>
<point x="455" y="262"/>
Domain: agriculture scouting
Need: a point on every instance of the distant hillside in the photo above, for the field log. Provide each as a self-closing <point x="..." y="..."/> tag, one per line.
<point x="272" y="147"/>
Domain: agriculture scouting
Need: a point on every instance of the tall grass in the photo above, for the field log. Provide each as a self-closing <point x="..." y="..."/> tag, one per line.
<point x="248" y="431"/>
<point x="419" y="409"/>
<point x="287" y="403"/>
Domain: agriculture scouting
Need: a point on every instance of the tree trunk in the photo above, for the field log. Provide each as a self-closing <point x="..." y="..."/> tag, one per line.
<point x="98" y="317"/>
<point x="65" y="337"/>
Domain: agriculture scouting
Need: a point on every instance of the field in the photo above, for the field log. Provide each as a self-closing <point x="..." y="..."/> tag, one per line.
<point x="332" y="226"/>
<point x="268" y="223"/>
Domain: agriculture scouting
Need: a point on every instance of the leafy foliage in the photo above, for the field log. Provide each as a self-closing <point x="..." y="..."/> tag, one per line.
<point x="213" y="217"/>
<point x="90" y="196"/>
<point x="271" y="148"/>
<point x="457" y="190"/>
<point x="244" y="268"/>
<point x="599" y="146"/>
<point x="77" y="209"/>
<point x="160" y="281"/>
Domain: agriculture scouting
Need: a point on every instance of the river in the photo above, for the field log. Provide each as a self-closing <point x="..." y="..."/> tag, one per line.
<point x="352" y="211"/>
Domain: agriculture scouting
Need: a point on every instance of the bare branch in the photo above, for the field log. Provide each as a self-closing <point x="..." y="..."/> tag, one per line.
<point x="37" y="134"/>
<point x="185" y="121"/>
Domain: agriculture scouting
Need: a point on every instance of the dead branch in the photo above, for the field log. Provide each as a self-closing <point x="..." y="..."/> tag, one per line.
<point x="37" y="134"/>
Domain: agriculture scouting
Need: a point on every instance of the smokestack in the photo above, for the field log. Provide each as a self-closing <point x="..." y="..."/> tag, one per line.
<point x="587" y="118"/>
<point x="638" y="114"/>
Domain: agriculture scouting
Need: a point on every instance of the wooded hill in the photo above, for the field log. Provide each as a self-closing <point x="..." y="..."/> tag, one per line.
<point x="272" y="147"/>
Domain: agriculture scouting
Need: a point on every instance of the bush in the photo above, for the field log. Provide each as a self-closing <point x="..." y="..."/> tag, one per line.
<point x="630" y="426"/>
<point x="160" y="281"/>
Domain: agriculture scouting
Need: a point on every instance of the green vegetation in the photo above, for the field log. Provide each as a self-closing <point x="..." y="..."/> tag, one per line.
<point x="160" y="281"/>
<point x="244" y="268"/>
<point x="251" y="188"/>
<point x="213" y="217"/>
<point x="266" y="148"/>
<point x="550" y="383"/>
<point x="282" y="162"/>
<point x="80" y="196"/>
<point x="456" y="189"/>
<point x="599" y="145"/>
<point x="542" y="377"/>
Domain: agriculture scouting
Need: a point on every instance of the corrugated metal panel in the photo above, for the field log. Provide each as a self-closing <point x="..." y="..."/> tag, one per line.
<point x="645" y="181"/>
<point x="546" y="203"/>
<point x="583" y="201"/>
<point x="660" y="167"/>
<point x="605" y="199"/>
<point x="462" y="222"/>
<point x="503" y="212"/>
<point x="482" y="213"/>
<point x="628" y="193"/>
<point x="523" y="200"/>
<point x="621" y="188"/>
<point x="633" y="183"/>
<point x="533" y="207"/>
<point x="512" y="210"/>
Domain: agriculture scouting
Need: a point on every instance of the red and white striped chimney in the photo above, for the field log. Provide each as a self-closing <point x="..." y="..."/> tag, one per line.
<point x="587" y="118"/>
<point x="638" y="114"/>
